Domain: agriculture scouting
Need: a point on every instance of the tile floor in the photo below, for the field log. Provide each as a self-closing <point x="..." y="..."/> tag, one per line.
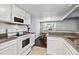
<point x="38" y="51"/>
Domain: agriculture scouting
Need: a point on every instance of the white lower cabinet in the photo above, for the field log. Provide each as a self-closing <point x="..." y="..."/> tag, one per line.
<point x="54" y="46"/>
<point x="8" y="48"/>
<point x="14" y="47"/>
<point x="11" y="50"/>
<point x="58" y="46"/>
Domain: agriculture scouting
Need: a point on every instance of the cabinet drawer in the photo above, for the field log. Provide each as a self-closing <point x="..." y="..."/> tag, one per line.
<point x="11" y="50"/>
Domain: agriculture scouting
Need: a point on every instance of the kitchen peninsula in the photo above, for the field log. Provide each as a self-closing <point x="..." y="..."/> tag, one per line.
<point x="56" y="41"/>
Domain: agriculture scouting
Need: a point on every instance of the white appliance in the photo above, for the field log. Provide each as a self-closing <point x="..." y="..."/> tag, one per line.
<point x="24" y="46"/>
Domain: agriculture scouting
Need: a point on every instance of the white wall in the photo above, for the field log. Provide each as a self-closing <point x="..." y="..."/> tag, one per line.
<point x="35" y="26"/>
<point x="78" y="24"/>
<point x="65" y="25"/>
<point x="69" y="24"/>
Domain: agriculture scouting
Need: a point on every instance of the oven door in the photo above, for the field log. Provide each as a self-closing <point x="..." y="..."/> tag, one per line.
<point x="23" y="44"/>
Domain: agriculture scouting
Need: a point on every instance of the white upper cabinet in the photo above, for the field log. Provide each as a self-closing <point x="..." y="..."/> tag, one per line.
<point x="28" y="19"/>
<point x="5" y="12"/>
<point x="18" y="12"/>
<point x="8" y="12"/>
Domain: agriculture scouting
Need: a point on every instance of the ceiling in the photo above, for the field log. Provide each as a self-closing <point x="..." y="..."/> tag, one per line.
<point x="56" y="11"/>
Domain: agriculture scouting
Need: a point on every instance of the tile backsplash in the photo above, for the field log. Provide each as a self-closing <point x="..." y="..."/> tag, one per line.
<point x="4" y="26"/>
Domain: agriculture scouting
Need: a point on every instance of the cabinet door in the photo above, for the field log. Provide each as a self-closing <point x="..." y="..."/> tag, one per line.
<point x="52" y="46"/>
<point x="11" y="50"/>
<point x="5" y="12"/>
<point x="28" y="19"/>
<point x="60" y="46"/>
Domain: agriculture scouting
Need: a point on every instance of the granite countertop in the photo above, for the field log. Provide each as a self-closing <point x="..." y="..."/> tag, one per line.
<point x="64" y="34"/>
<point x="6" y="39"/>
